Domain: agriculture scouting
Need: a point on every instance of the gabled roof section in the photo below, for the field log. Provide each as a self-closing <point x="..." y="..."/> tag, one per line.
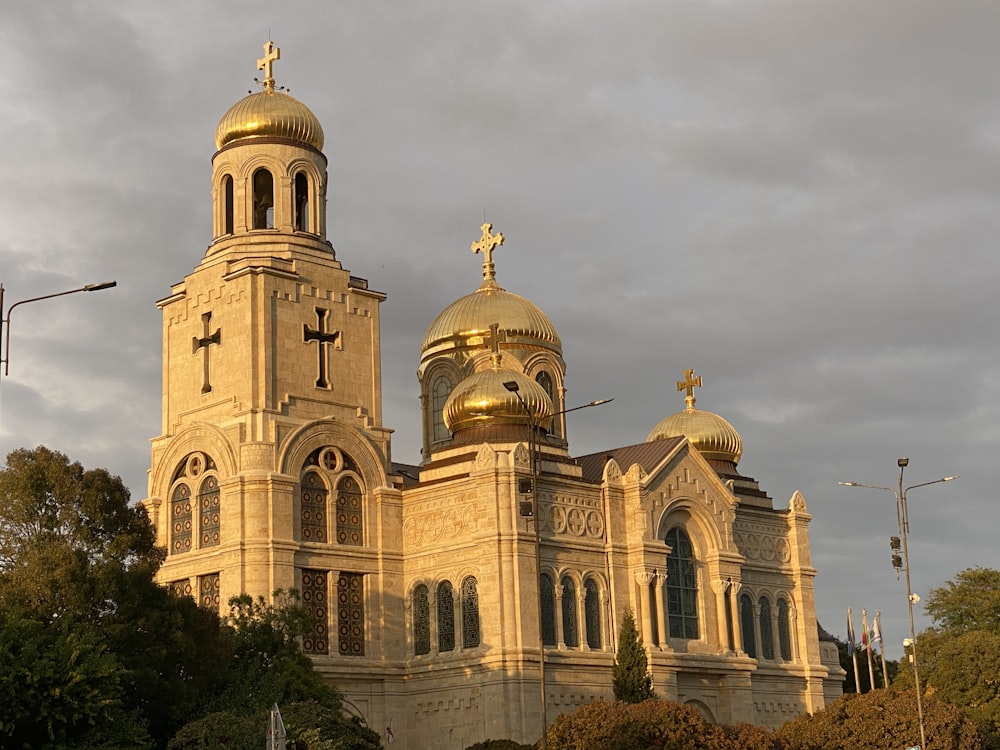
<point x="409" y="473"/>
<point x="647" y="455"/>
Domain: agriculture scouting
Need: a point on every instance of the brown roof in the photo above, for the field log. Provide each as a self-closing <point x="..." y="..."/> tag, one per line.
<point x="647" y="455"/>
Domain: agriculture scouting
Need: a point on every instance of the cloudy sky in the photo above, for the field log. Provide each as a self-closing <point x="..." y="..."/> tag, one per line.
<point x="797" y="199"/>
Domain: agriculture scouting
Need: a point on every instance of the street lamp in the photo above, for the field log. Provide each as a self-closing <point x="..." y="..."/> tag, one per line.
<point x="5" y="322"/>
<point x="512" y="386"/>
<point x="911" y="598"/>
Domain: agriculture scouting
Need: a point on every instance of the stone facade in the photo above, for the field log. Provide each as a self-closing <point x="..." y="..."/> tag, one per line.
<point x="433" y="585"/>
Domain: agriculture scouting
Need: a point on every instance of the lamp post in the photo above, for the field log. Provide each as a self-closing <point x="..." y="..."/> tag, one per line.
<point x="512" y="386"/>
<point x="5" y="322"/>
<point x="911" y="598"/>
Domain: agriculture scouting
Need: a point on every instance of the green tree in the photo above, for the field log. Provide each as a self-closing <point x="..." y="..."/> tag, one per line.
<point x="631" y="680"/>
<point x="969" y="602"/>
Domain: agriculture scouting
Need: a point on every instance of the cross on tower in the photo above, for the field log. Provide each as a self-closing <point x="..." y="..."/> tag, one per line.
<point x="266" y="63"/>
<point x="689" y="384"/>
<point x="203" y="343"/>
<point x="493" y="341"/>
<point x="320" y="335"/>
<point x="486" y="245"/>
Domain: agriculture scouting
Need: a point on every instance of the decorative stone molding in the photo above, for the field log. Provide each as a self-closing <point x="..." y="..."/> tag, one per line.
<point x="486" y="457"/>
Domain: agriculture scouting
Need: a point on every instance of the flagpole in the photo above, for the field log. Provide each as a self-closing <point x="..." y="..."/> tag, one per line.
<point x="852" y="650"/>
<point x="881" y="647"/>
<point x="868" y="647"/>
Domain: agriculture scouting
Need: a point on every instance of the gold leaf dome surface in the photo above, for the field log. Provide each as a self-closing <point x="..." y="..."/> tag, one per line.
<point x="483" y="399"/>
<point x="269" y="113"/>
<point x="712" y="435"/>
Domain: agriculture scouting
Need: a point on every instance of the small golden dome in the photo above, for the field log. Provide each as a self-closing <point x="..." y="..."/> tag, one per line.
<point x="712" y="435"/>
<point x="269" y="113"/>
<point x="483" y="399"/>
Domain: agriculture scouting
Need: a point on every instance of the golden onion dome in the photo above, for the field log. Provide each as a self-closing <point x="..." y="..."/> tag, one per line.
<point x="712" y="435"/>
<point x="269" y="113"/>
<point x="483" y="399"/>
<point x="471" y="316"/>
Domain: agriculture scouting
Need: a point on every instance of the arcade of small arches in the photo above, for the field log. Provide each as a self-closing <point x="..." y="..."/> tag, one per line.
<point x="436" y="610"/>
<point x="263" y="207"/>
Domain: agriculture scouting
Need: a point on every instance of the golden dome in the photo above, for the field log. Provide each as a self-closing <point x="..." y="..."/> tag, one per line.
<point x="471" y="316"/>
<point x="712" y="435"/>
<point x="483" y="399"/>
<point x="269" y="113"/>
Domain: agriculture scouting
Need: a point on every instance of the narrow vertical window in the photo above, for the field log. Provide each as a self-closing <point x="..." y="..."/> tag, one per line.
<point x="439" y="396"/>
<point x="351" y="614"/>
<point x="227" y="203"/>
<point x="470" y="613"/>
<point x="570" y="631"/>
<point x="446" y="616"/>
<point x="180" y="519"/>
<point x="766" y="632"/>
<point x="784" y="630"/>
<point x="263" y="200"/>
<point x="350" y="520"/>
<point x="747" y="626"/>
<point x="548" y="610"/>
<point x="312" y="508"/>
<point x="592" y="612"/>
<point x="301" y="202"/>
<point x="208" y="591"/>
<point x="545" y="380"/>
<point x="208" y="502"/>
<point x="682" y="586"/>
<point x="314" y="599"/>
<point x="421" y="621"/>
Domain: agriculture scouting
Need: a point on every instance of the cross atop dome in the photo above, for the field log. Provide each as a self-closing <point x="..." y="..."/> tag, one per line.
<point x="689" y="383"/>
<point x="486" y="245"/>
<point x="266" y="63"/>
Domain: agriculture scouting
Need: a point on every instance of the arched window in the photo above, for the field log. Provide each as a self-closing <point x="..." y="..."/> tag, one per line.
<point x="747" y="626"/>
<point x="208" y="502"/>
<point x="548" y="610"/>
<point x="592" y="612"/>
<point x="421" y="621"/>
<point x="446" y="616"/>
<point x="470" y="613"/>
<point x="349" y="512"/>
<point x="766" y="631"/>
<point x="301" y="202"/>
<point x="545" y="380"/>
<point x="439" y="396"/>
<point x="681" y="589"/>
<point x="227" y="204"/>
<point x="313" y="508"/>
<point x="263" y="200"/>
<point x="180" y="519"/>
<point x="784" y="630"/>
<point x="570" y="631"/>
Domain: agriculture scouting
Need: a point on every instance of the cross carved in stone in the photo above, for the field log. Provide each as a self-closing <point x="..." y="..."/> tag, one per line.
<point x="266" y="63"/>
<point x="321" y="336"/>
<point x="207" y="340"/>
<point x="486" y="245"/>
<point x="689" y="383"/>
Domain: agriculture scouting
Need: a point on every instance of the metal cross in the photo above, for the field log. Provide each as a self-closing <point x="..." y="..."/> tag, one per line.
<point x="689" y="384"/>
<point x="266" y="63"/>
<point x="320" y="335"/>
<point x="203" y="343"/>
<point x="486" y="245"/>
<point x="493" y="341"/>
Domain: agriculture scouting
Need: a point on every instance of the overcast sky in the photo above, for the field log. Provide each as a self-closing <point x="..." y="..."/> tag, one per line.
<point x="796" y="199"/>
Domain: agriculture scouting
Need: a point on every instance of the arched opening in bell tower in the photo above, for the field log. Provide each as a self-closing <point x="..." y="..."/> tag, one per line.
<point x="301" y="202"/>
<point x="263" y="199"/>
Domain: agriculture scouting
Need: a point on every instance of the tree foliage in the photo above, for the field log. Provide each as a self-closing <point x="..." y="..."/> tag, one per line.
<point x="631" y="680"/>
<point x="969" y="602"/>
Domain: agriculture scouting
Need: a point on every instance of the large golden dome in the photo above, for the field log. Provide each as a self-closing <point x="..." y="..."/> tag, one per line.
<point x="483" y="399"/>
<point x="466" y="320"/>
<point x="269" y="113"/>
<point x="712" y="435"/>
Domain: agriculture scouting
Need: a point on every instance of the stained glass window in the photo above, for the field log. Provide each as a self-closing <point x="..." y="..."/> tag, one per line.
<point x="421" y="621"/>
<point x="470" y="613"/>
<point x="180" y="519"/>
<point x="314" y="599"/>
<point x="442" y="389"/>
<point x="747" y="626"/>
<point x="446" y="616"/>
<point x="592" y="612"/>
<point x="351" y="614"/>
<point x="313" y="508"/>
<point x="548" y="610"/>
<point x="181" y="588"/>
<point x="208" y="591"/>
<point x="681" y="589"/>
<point x="350" y="529"/>
<point x="766" y="632"/>
<point x="784" y="630"/>
<point x="208" y="501"/>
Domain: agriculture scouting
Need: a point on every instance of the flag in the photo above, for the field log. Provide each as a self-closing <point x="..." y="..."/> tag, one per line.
<point x="275" y="730"/>
<point x="865" y="645"/>
<point x="388" y="732"/>
<point x="850" y="633"/>
<point x="877" y="629"/>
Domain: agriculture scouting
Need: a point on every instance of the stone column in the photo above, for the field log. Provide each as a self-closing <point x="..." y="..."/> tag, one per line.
<point x="661" y="615"/>
<point x="560" y="641"/>
<point x="734" y="604"/>
<point x="643" y="578"/>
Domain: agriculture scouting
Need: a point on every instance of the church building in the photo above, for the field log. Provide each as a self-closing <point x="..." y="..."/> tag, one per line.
<point x="478" y="594"/>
